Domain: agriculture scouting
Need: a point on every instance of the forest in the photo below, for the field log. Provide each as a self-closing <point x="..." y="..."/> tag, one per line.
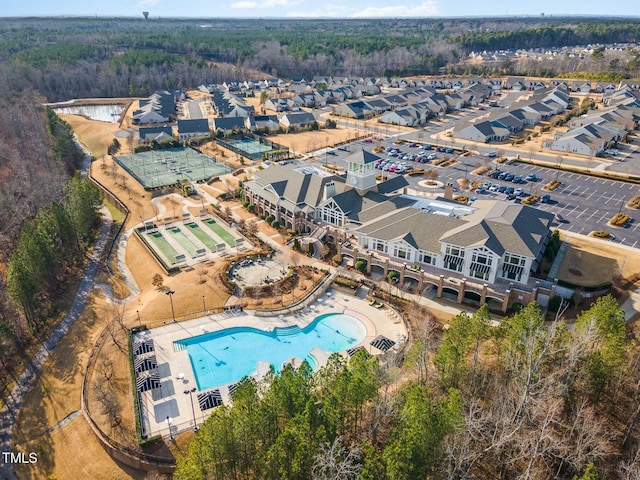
<point x="525" y="400"/>
<point x="110" y="57"/>
<point x="48" y="219"/>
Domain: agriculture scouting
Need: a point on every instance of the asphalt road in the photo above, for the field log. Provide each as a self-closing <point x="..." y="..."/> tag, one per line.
<point x="586" y="203"/>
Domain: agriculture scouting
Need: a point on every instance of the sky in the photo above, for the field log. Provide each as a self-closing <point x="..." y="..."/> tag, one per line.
<point x="313" y="8"/>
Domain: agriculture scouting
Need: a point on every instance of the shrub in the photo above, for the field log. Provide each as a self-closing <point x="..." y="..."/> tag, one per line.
<point x="601" y="234"/>
<point x="619" y="219"/>
<point x="245" y="204"/>
<point x="554" y="303"/>
<point x="337" y="259"/>
<point x="251" y="207"/>
<point x="296" y="244"/>
<point x="517" y="306"/>
<point x="392" y="275"/>
<point x="275" y="224"/>
<point x="361" y="265"/>
<point x="270" y="219"/>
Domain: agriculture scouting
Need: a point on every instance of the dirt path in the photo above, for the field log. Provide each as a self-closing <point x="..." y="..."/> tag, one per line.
<point x="9" y="412"/>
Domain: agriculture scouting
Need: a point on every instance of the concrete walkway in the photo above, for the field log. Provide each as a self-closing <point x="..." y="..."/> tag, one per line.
<point x="11" y="408"/>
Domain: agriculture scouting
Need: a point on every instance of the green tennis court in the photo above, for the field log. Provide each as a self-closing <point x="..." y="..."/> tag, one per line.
<point x="161" y="243"/>
<point x="184" y="242"/>
<point x="201" y="235"/>
<point x="221" y="232"/>
<point x="158" y="168"/>
<point x="251" y="146"/>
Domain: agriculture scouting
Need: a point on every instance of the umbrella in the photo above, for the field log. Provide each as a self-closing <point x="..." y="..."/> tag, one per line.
<point x="149" y="381"/>
<point x="143" y="347"/>
<point x="382" y="343"/>
<point x="352" y="351"/>
<point x="142" y="364"/>
<point x="209" y="400"/>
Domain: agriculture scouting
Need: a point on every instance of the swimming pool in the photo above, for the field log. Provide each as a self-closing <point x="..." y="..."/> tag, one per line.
<point x="226" y="356"/>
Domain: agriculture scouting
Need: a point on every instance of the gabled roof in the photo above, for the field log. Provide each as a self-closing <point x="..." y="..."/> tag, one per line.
<point x="299" y="118"/>
<point x="393" y="184"/>
<point x="195" y="125"/>
<point x="362" y="157"/>
<point x="228" y="123"/>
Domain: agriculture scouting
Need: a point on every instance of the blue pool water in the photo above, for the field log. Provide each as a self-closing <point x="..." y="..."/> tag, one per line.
<point x="226" y="356"/>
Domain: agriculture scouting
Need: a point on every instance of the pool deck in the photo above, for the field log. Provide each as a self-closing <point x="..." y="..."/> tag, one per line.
<point x="172" y="399"/>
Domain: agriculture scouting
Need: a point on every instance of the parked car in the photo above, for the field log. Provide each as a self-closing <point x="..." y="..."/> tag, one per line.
<point x="511" y="196"/>
<point x="545" y="198"/>
<point x="491" y="154"/>
<point x="509" y="176"/>
<point x="517" y="179"/>
<point x="502" y="176"/>
<point x="368" y="140"/>
<point x="502" y="188"/>
<point x="481" y="190"/>
<point x="432" y="156"/>
<point x="496" y="174"/>
<point x="509" y="190"/>
<point x="519" y="191"/>
<point x="531" y="177"/>
<point x="559" y="218"/>
<point x="449" y="150"/>
<point x="494" y="187"/>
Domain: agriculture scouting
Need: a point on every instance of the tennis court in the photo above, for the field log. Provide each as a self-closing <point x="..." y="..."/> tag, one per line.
<point x="251" y="146"/>
<point x="159" y="168"/>
<point x="184" y="242"/>
<point x="163" y="246"/>
<point x="201" y="235"/>
<point x="220" y="231"/>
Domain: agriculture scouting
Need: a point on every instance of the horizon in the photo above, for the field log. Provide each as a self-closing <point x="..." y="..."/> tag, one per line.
<point x="307" y="9"/>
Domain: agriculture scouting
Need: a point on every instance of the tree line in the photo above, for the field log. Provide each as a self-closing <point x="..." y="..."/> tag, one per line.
<point x="49" y="247"/>
<point x="527" y="399"/>
<point x="47" y="218"/>
<point x="80" y="58"/>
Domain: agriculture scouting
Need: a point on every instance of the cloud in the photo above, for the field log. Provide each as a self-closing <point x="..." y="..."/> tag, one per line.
<point x="424" y="9"/>
<point x="147" y="3"/>
<point x="328" y="10"/>
<point x="262" y="4"/>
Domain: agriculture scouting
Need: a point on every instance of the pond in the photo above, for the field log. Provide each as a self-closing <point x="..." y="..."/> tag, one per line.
<point x="102" y="113"/>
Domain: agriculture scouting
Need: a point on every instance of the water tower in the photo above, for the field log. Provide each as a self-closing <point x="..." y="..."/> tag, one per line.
<point x="146" y="15"/>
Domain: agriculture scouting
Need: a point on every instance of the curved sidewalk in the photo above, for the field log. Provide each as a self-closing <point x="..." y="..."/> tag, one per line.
<point x="11" y="408"/>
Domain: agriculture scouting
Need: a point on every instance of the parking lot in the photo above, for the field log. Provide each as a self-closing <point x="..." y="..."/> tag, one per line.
<point x="583" y="203"/>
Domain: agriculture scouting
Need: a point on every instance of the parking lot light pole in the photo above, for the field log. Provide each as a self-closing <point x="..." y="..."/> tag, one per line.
<point x="170" y="293"/>
<point x="204" y="308"/>
<point x="193" y="410"/>
<point x="169" y="420"/>
<point x="139" y="322"/>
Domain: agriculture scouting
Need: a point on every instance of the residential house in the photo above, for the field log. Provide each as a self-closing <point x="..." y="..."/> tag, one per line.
<point x="154" y="134"/>
<point x="483" y="131"/>
<point x="193" y="128"/>
<point x="358" y="110"/>
<point x="158" y="108"/>
<point x="262" y="122"/>
<point x="297" y="120"/>
<point x="228" y="124"/>
<point x="515" y="83"/>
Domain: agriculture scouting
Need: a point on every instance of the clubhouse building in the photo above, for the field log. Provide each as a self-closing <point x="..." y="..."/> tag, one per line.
<point x="480" y="253"/>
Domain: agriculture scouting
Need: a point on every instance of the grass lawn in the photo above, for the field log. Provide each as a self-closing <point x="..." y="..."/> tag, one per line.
<point x="220" y="231"/>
